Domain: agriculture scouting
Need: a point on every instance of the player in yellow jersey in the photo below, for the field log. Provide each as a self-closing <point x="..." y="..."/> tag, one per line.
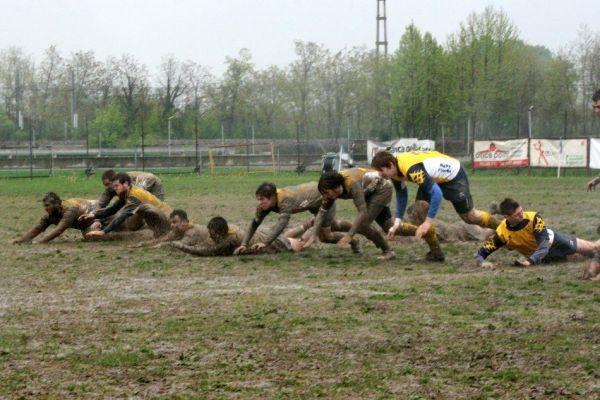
<point x="285" y="202"/>
<point x="526" y="232"/>
<point x="146" y="180"/>
<point x="438" y="175"/>
<point x="371" y="196"/>
<point x="62" y="213"/>
<point x="134" y="207"/>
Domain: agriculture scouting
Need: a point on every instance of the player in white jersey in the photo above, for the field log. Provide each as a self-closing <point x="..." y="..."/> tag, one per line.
<point x="437" y="175"/>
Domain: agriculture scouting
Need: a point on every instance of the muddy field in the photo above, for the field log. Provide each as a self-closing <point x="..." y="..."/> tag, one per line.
<point x="103" y="320"/>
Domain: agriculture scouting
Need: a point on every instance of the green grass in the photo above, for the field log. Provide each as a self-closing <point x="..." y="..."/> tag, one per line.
<point x="101" y="320"/>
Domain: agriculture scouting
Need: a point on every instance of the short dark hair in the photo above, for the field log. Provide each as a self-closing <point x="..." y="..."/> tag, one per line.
<point x="217" y="227"/>
<point x="330" y="180"/>
<point x="383" y="159"/>
<point x="109" y="174"/>
<point x="508" y="205"/>
<point x="596" y="96"/>
<point x="123" y="177"/>
<point x="266" y="189"/>
<point x="178" y="212"/>
<point x="51" y="197"/>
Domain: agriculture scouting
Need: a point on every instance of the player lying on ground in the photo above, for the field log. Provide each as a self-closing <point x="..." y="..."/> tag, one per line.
<point x="147" y="181"/>
<point x="62" y="213"/>
<point x="371" y="196"/>
<point x="452" y="233"/>
<point x="227" y="238"/>
<point x="287" y="201"/>
<point x="182" y="231"/>
<point x="437" y="175"/>
<point x="525" y="232"/>
<point x="133" y="208"/>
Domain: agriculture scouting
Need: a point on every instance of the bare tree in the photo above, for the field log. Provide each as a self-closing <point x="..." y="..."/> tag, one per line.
<point x="130" y="88"/>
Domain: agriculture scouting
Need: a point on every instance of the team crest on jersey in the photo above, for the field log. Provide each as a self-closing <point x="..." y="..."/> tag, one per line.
<point x="489" y="244"/>
<point x="539" y="225"/>
<point x="418" y="177"/>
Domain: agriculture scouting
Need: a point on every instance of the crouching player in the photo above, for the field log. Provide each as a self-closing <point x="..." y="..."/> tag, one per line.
<point x="371" y="196"/>
<point x="438" y="176"/>
<point x="62" y="213"/>
<point x="285" y="202"/>
<point x="525" y="232"/>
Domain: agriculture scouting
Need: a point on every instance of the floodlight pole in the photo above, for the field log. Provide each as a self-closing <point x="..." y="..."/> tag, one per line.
<point x="529" y="112"/>
<point x="349" y="123"/>
<point x="169" y="133"/>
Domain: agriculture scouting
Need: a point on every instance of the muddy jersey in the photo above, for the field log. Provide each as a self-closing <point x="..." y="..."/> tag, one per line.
<point x="373" y="182"/>
<point x="530" y="237"/>
<point x="195" y="235"/>
<point x="290" y="200"/>
<point x="359" y="183"/>
<point x="232" y="241"/>
<point x="124" y="208"/>
<point x="68" y="217"/>
<point x="145" y="180"/>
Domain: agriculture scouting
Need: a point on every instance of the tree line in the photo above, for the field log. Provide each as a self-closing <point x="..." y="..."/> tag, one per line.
<point x="484" y="80"/>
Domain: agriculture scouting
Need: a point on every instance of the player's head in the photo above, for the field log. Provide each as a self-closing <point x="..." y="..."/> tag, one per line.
<point x="179" y="220"/>
<point x="596" y="102"/>
<point x="511" y="210"/>
<point x="385" y="163"/>
<point x="331" y="184"/>
<point x="266" y="195"/>
<point x="51" y="202"/>
<point x="121" y="183"/>
<point x="108" y="177"/>
<point x="217" y="228"/>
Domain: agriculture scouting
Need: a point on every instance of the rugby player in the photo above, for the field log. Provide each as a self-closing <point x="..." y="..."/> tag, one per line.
<point x="437" y="175"/>
<point x="62" y="213"/>
<point x="134" y="207"/>
<point x="227" y="238"/>
<point x="526" y="232"/>
<point x="371" y="196"/>
<point x="285" y="202"/>
<point x="145" y="180"/>
<point x="182" y="231"/>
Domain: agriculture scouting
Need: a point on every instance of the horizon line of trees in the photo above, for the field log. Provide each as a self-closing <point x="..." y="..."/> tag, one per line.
<point x="484" y="79"/>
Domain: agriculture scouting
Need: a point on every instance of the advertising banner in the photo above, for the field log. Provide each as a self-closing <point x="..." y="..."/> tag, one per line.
<point x="500" y="154"/>
<point x="558" y="153"/>
<point x="399" y="146"/>
<point x="595" y="153"/>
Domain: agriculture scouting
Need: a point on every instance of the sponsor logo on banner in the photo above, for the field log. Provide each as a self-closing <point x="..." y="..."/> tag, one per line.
<point x="554" y="153"/>
<point x="499" y="154"/>
<point x="399" y="146"/>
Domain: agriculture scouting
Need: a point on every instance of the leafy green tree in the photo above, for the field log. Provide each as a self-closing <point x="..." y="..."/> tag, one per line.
<point x="107" y="129"/>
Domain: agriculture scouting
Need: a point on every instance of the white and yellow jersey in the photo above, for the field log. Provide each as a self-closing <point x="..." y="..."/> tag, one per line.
<point x="440" y="167"/>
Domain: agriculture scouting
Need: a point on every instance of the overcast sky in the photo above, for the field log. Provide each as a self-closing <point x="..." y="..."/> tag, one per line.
<point x="207" y="31"/>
